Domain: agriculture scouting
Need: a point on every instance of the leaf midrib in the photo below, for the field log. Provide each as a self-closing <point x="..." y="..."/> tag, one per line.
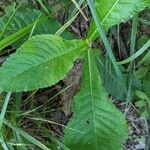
<point x="92" y="96"/>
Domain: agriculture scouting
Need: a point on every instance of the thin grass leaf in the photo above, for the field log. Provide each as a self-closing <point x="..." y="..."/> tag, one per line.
<point x="4" y="145"/>
<point x="133" y="34"/>
<point x="132" y="51"/>
<point x="61" y="145"/>
<point x="23" y="22"/>
<point x="33" y="28"/>
<point x="135" y="55"/>
<point x="144" y="21"/>
<point x="26" y="136"/>
<point x="75" y="9"/>
<point x="4" y="108"/>
<point x="80" y="10"/>
<point x="44" y="7"/>
<point x="35" y="109"/>
<point x="19" y="34"/>
<point x="9" y="20"/>
<point x="66" y="25"/>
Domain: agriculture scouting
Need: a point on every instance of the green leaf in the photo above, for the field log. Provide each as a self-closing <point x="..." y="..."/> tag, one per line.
<point x="141" y="95"/>
<point x="25" y="18"/>
<point x="136" y="54"/>
<point x="112" y="12"/>
<point x="141" y="41"/>
<point x="96" y="122"/>
<point x="40" y="62"/>
<point x="18" y="36"/>
<point x="146" y="86"/>
<point x="145" y="59"/>
<point x="140" y="103"/>
<point x="110" y="80"/>
<point x="141" y="72"/>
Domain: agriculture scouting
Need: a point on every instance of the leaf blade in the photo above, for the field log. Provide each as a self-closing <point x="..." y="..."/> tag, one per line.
<point x="40" y="62"/>
<point x="102" y="126"/>
<point x="22" y="23"/>
<point x="112" y="12"/>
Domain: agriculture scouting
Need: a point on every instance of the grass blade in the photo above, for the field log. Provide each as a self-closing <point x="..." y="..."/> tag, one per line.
<point x="27" y="136"/>
<point x="104" y="38"/>
<point x="43" y="6"/>
<point x="14" y="37"/>
<point x="135" y="55"/>
<point x="80" y="10"/>
<point x="132" y="51"/>
<point x="9" y="20"/>
<point x="2" y="115"/>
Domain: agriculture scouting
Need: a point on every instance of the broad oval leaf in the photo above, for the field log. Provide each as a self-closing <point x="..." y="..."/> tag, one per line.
<point x="96" y="122"/>
<point x="41" y="61"/>
<point x="112" y="12"/>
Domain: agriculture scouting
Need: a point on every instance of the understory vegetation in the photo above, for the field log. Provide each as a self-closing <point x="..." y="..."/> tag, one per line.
<point x="74" y="74"/>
